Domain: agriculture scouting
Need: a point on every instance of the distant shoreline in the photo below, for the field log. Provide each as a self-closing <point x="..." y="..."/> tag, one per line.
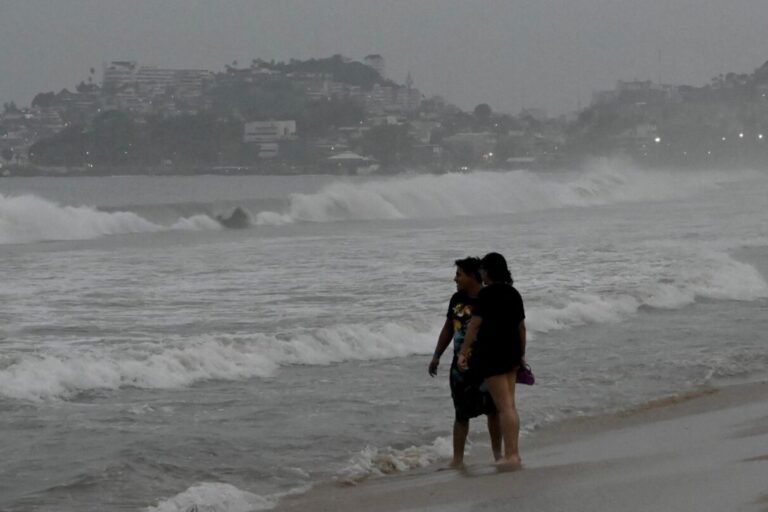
<point x="210" y="170"/>
<point x="180" y="170"/>
<point x="282" y="169"/>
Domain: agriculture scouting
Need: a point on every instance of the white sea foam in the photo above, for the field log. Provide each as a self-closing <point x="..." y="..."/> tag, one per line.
<point x="582" y="309"/>
<point x="214" y="497"/>
<point x="37" y="377"/>
<point x="196" y="223"/>
<point x="272" y="219"/>
<point x="30" y="218"/>
<point x="709" y="274"/>
<point x="718" y="276"/>
<point x="483" y="193"/>
<point x="179" y="363"/>
<point x="373" y="461"/>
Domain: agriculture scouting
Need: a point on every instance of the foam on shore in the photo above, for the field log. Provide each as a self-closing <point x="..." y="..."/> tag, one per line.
<point x="704" y="451"/>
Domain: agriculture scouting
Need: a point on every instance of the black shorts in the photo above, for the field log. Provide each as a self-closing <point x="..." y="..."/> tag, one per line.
<point x="490" y="360"/>
<point x="469" y="400"/>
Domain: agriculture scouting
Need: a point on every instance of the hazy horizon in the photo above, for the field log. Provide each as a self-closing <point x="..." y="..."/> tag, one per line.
<point x="552" y="54"/>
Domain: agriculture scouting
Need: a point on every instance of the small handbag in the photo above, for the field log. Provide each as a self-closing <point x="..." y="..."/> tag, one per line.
<point x="525" y="375"/>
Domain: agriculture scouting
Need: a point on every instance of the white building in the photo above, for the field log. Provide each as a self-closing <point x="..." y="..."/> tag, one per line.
<point x="189" y="83"/>
<point x="154" y="81"/>
<point x="119" y="73"/>
<point x="408" y="99"/>
<point x="268" y="131"/>
<point x="267" y="135"/>
<point x="151" y="81"/>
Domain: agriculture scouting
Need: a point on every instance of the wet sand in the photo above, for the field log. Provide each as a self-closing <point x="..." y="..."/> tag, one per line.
<point x="703" y="452"/>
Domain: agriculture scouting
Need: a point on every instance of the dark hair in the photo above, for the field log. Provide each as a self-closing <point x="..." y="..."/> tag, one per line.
<point x="495" y="266"/>
<point x="470" y="266"/>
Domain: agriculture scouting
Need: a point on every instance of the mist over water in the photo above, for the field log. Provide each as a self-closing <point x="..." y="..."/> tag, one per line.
<point x="227" y="367"/>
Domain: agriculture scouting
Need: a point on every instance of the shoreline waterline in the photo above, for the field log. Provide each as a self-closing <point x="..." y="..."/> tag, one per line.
<point x="580" y="452"/>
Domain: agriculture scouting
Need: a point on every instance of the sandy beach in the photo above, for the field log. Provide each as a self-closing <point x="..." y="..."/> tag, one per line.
<point x="703" y="452"/>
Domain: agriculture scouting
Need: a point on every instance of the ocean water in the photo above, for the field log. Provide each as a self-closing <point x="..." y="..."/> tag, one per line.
<point x="152" y="360"/>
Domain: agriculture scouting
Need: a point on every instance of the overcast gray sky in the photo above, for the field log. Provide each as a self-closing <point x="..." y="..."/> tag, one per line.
<point x="509" y="53"/>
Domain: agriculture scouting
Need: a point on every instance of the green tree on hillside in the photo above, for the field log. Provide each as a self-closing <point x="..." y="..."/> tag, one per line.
<point x="483" y="113"/>
<point x="320" y="117"/>
<point x="44" y="99"/>
<point x="10" y="108"/>
<point x="389" y="144"/>
<point x="339" y="68"/>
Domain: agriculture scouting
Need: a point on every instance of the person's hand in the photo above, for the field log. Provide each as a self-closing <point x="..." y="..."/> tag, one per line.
<point x="433" y="366"/>
<point x="463" y="362"/>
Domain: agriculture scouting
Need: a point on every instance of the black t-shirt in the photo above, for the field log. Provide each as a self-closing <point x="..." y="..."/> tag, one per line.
<point x="501" y="308"/>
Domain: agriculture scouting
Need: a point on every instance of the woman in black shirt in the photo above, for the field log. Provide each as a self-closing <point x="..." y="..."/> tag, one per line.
<point x="494" y="347"/>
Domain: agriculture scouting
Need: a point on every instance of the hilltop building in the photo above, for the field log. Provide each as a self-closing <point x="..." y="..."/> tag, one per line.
<point x="267" y="135"/>
<point x="150" y="82"/>
<point x="637" y="91"/>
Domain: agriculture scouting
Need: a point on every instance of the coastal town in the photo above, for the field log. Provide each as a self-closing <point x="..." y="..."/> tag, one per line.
<point x="345" y="116"/>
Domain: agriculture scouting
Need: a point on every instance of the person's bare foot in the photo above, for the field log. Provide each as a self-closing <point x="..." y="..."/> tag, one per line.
<point x="454" y="464"/>
<point x="509" y="464"/>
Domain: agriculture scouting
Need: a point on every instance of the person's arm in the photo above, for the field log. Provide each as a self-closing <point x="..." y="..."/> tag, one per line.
<point x="469" y="339"/>
<point x="446" y="335"/>
<point x="521" y="328"/>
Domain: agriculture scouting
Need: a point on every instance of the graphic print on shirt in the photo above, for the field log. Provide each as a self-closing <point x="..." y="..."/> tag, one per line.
<point x="461" y="314"/>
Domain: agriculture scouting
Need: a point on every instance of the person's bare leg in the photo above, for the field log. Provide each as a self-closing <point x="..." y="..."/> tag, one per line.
<point x="494" y="430"/>
<point x="516" y="461"/>
<point x="460" y="433"/>
<point x="502" y="389"/>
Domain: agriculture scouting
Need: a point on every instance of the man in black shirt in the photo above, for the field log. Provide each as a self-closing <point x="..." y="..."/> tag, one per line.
<point x="470" y="399"/>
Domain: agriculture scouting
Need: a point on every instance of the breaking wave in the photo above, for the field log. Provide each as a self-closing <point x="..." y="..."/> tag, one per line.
<point x="177" y="362"/>
<point x="714" y="275"/>
<point x="181" y="362"/>
<point x="487" y="193"/>
<point x="29" y="218"/>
